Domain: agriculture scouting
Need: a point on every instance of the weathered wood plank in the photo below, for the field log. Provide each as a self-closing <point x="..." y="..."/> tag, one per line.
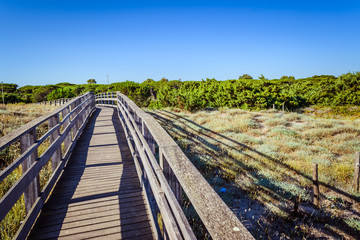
<point x="96" y="230"/>
<point x="116" y="236"/>
<point x="50" y="219"/>
<point x="135" y="196"/>
<point x="93" y="224"/>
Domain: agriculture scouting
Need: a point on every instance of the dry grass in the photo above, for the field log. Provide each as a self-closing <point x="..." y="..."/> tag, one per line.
<point x="12" y="117"/>
<point x="267" y="156"/>
<point x="16" y="115"/>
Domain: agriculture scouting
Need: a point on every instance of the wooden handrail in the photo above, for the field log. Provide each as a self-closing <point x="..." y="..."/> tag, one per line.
<point x="170" y="174"/>
<point x="74" y="117"/>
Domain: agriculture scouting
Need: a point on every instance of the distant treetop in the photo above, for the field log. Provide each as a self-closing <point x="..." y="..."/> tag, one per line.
<point x="324" y="76"/>
<point x="91" y="81"/>
<point x="65" y="84"/>
<point x="261" y="77"/>
<point x="287" y="77"/>
<point x="245" y="76"/>
<point x="149" y="80"/>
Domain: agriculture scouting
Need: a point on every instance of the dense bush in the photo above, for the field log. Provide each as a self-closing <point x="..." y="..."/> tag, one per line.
<point x="324" y="90"/>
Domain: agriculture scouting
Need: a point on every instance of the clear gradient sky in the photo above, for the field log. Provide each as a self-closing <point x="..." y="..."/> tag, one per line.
<point x="51" y="41"/>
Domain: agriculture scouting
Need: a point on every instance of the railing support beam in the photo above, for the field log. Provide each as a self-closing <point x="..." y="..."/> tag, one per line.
<point x="55" y="159"/>
<point x="33" y="190"/>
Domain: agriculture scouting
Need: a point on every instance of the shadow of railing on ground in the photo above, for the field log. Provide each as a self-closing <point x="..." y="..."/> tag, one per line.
<point x="198" y="137"/>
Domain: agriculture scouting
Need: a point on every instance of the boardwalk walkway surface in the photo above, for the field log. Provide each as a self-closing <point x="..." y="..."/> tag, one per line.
<point x="99" y="194"/>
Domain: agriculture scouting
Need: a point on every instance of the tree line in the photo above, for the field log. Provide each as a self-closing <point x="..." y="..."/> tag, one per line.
<point x="245" y="92"/>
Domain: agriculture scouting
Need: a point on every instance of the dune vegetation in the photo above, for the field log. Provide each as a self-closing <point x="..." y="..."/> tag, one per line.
<point x="260" y="163"/>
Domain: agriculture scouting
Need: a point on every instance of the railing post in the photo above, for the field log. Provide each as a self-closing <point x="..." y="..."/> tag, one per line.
<point x="83" y="114"/>
<point x="67" y="140"/>
<point x="170" y="176"/>
<point x="78" y="122"/>
<point x="357" y="172"/>
<point x="73" y="115"/>
<point x="33" y="189"/>
<point x="56" y="157"/>
<point x="316" y="194"/>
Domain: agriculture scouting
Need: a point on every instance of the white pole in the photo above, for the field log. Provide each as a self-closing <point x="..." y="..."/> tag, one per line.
<point x="108" y="81"/>
<point x="2" y="91"/>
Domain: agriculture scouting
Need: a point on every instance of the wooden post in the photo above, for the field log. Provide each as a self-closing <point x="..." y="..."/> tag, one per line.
<point x="78" y="122"/>
<point x="67" y="140"/>
<point x="170" y="176"/>
<point x="74" y="128"/>
<point x="56" y="157"/>
<point x="273" y="106"/>
<point x="316" y="190"/>
<point x="283" y="107"/>
<point x="357" y="172"/>
<point x="33" y="190"/>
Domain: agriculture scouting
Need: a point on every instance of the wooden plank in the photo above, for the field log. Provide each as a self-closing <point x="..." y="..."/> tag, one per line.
<point x="95" y="230"/>
<point x="51" y="219"/>
<point x="85" y="186"/>
<point x="92" y="224"/>
<point x="135" y="196"/>
<point x="116" y="236"/>
<point x="90" y="197"/>
<point x="68" y="179"/>
<point x="100" y="181"/>
<point x="58" y="216"/>
<point x="89" y="194"/>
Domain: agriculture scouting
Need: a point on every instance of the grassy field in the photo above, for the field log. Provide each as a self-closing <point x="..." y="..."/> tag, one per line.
<point x="11" y="117"/>
<point x="260" y="163"/>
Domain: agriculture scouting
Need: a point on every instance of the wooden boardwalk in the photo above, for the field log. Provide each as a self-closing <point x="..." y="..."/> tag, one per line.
<point x="99" y="194"/>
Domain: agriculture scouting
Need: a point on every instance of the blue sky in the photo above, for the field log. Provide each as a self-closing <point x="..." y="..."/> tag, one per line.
<point x="48" y="41"/>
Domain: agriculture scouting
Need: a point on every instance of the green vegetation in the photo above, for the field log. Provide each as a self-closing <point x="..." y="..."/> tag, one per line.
<point x="262" y="94"/>
<point x="245" y="92"/>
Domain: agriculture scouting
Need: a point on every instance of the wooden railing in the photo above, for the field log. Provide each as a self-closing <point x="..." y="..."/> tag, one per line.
<point x="56" y="102"/>
<point x="65" y="125"/>
<point x="166" y="174"/>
